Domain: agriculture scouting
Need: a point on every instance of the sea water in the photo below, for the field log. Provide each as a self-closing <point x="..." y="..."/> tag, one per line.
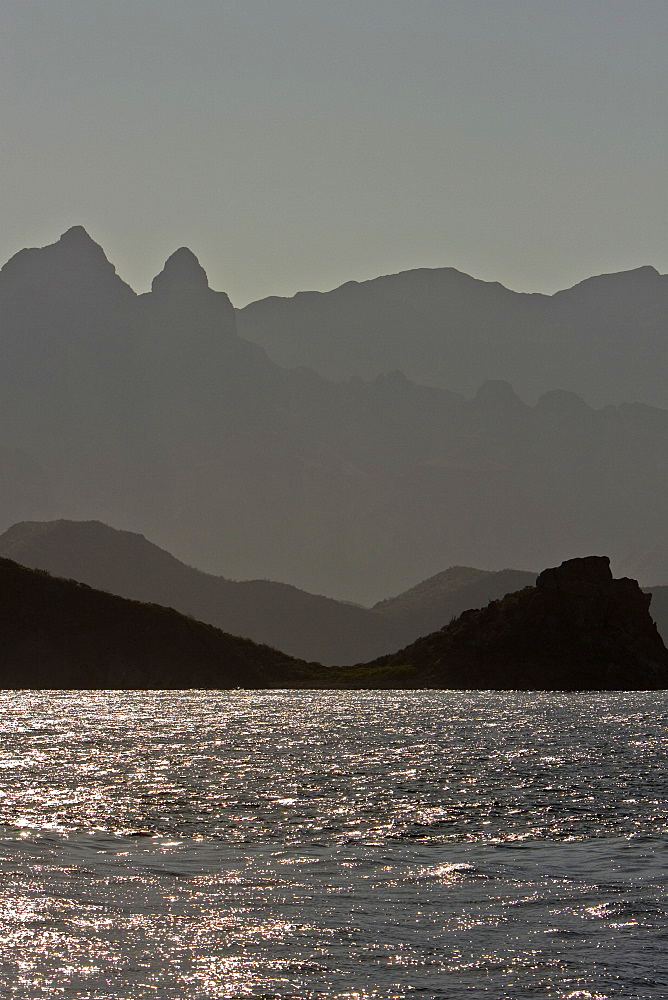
<point x="333" y="844"/>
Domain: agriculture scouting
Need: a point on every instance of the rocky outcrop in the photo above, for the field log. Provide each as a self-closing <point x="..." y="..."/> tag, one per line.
<point x="578" y="629"/>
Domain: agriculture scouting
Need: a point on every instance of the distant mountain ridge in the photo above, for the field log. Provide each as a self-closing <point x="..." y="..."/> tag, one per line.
<point x="604" y="339"/>
<point x="433" y="603"/>
<point x="151" y="413"/>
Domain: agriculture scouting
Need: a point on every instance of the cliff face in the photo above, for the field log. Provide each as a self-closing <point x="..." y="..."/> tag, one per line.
<point x="577" y="629"/>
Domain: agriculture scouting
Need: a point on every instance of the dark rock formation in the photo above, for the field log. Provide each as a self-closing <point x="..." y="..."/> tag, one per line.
<point x="578" y="629"/>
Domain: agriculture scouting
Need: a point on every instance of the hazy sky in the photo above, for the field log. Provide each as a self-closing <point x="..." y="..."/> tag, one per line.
<point x="296" y="144"/>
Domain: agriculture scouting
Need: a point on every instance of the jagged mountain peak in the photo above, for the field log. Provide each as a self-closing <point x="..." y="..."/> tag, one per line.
<point x="75" y="263"/>
<point x="76" y="234"/>
<point x="183" y="270"/>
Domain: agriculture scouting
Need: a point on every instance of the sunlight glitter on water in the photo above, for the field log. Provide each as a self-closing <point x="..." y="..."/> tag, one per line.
<point x="457" y="844"/>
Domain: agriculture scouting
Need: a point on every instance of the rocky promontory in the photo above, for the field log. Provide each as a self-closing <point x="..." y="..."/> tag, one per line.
<point x="578" y="629"/>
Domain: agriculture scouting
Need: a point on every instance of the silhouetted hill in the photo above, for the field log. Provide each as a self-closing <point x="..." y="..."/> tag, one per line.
<point x="304" y="625"/>
<point x="603" y="339"/>
<point x="149" y="412"/>
<point x="577" y="629"/>
<point x="431" y="604"/>
<point x="61" y="634"/>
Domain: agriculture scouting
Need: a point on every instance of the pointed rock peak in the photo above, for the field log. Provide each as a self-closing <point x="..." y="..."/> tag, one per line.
<point x="73" y="261"/>
<point x="75" y="234"/>
<point x="182" y="269"/>
<point x="75" y="242"/>
<point x="496" y="392"/>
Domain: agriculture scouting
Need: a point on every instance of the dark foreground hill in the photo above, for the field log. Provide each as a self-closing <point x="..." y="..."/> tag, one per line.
<point x="577" y="629"/>
<point x="61" y="634"/>
<point x="304" y="625"/>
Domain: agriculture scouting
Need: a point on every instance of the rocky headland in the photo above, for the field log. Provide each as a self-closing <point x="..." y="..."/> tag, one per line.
<point x="578" y="629"/>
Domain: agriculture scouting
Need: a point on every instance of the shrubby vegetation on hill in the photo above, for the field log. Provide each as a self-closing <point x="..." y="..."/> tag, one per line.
<point x="58" y="633"/>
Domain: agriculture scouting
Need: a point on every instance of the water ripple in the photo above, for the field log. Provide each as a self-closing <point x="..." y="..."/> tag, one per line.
<point x="328" y="844"/>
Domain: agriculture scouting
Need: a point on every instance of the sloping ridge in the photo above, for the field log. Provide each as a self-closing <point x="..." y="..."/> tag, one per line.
<point x="432" y="603"/>
<point x="304" y="625"/>
<point x="57" y="633"/>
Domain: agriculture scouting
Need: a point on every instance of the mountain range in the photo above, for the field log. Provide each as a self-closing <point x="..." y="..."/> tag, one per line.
<point x="150" y="412"/>
<point x="604" y="339"/>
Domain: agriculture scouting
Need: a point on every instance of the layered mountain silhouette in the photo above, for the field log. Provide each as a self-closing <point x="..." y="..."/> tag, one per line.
<point x="61" y="634"/>
<point x="304" y="625"/>
<point x="604" y="339"/>
<point x="151" y="413"/>
<point x="577" y="629"/>
<point x="307" y="626"/>
<point x="431" y="604"/>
